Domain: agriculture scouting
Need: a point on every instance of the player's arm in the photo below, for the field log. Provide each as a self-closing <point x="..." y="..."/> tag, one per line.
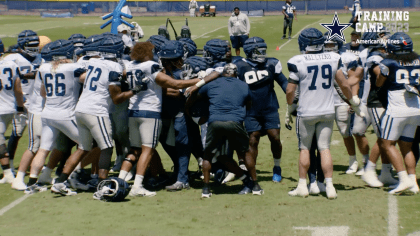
<point x="281" y="80"/>
<point x="284" y="12"/>
<point x="355" y="76"/>
<point x="117" y="95"/>
<point x="343" y="84"/>
<point x="207" y="79"/>
<point x="29" y="75"/>
<point x="290" y="91"/>
<point x="293" y="81"/>
<point x="18" y="94"/>
<point x="248" y="25"/>
<point x="381" y="78"/>
<point x="165" y="81"/>
<point x="295" y="14"/>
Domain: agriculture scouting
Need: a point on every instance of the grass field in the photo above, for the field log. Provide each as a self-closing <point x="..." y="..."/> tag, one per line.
<point x="358" y="210"/>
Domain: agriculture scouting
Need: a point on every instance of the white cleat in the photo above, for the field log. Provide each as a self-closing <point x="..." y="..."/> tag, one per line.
<point x="299" y="191"/>
<point x="415" y="189"/>
<point x="387" y="179"/>
<point x="371" y="179"/>
<point x="353" y="165"/>
<point x="141" y="192"/>
<point x="402" y="186"/>
<point x="18" y="185"/>
<point x="331" y="193"/>
<point x="61" y="188"/>
<point x="7" y="179"/>
<point x="314" y="189"/>
<point x="243" y="167"/>
<point x="360" y="172"/>
<point x="229" y="177"/>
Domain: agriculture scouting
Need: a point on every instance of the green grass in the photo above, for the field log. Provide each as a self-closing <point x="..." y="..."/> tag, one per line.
<point x="363" y="209"/>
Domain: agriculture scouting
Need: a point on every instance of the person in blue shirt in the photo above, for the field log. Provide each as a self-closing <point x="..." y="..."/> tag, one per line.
<point x="289" y="12"/>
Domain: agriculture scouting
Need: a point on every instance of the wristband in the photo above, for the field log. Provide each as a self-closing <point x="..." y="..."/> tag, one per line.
<point x="20" y="109"/>
<point x="200" y="83"/>
<point x="354" y="100"/>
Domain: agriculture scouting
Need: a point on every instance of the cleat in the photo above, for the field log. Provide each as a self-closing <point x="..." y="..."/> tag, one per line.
<point x="62" y="189"/>
<point x="206" y="193"/>
<point x="387" y="179"/>
<point x="19" y="185"/>
<point x="371" y="179"/>
<point x="177" y="186"/>
<point x="257" y="190"/>
<point x="299" y="191"/>
<point x="7" y="179"/>
<point x="45" y="179"/>
<point x="321" y="187"/>
<point x="243" y="167"/>
<point x="290" y="38"/>
<point x="353" y="164"/>
<point x="245" y="190"/>
<point x="313" y="189"/>
<point x="35" y="188"/>
<point x="229" y="177"/>
<point x="360" y="172"/>
<point x="220" y="175"/>
<point x="402" y="186"/>
<point x="277" y="174"/>
<point x="141" y="192"/>
<point x="415" y="189"/>
<point x="248" y="186"/>
<point x="283" y="37"/>
<point x="331" y="193"/>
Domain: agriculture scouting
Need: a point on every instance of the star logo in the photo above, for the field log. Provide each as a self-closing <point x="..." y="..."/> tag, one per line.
<point x="335" y="29"/>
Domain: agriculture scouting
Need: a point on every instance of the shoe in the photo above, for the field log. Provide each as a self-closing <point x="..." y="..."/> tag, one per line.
<point x="45" y="179"/>
<point x="353" y="164"/>
<point x="313" y="189"/>
<point x="245" y="190"/>
<point x="283" y="37"/>
<point x="7" y="179"/>
<point x="331" y="193"/>
<point x="257" y="190"/>
<point x="61" y="188"/>
<point x="220" y="175"/>
<point x="177" y="186"/>
<point x="415" y="189"/>
<point x="35" y="188"/>
<point x="18" y="185"/>
<point x="206" y="192"/>
<point x="299" y="191"/>
<point x="276" y="174"/>
<point x="243" y="167"/>
<point x="290" y="38"/>
<point x="360" y="172"/>
<point x="402" y="186"/>
<point x="248" y="186"/>
<point x="141" y="192"/>
<point x="387" y="179"/>
<point x="229" y="177"/>
<point x="321" y="187"/>
<point x="371" y="179"/>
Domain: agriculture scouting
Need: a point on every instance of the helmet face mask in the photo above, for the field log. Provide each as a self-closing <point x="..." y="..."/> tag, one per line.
<point x="330" y="46"/>
<point x="259" y="55"/>
<point x="28" y="41"/>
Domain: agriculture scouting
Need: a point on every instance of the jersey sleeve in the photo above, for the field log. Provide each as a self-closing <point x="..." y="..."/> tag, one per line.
<point x="292" y="66"/>
<point x="115" y="74"/>
<point x="284" y="7"/>
<point x="385" y="66"/>
<point x="203" y="90"/>
<point x="278" y="74"/>
<point x="153" y="69"/>
<point x="349" y="61"/>
<point x="373" y="61"/>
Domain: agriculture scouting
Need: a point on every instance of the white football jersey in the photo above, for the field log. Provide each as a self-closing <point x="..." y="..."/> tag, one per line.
<point x="62" y="87"/>
<point x="150" y="97"/>
<point x="25" y="67"/>
<point x="315" y="74"/>
<point x="365" y="83"/>
<point x="83" y="61"/>
<point x="95" y="99"/>
<point x="8" y="75"/>
<point x="36" y="100"/>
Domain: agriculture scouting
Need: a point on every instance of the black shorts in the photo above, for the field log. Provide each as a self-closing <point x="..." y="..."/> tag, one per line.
<point x="234" y="132"/>
<point x="238" y="41"/>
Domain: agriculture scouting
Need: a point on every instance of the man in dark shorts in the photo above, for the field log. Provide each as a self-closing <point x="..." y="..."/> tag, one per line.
<point x="238" y="27"/>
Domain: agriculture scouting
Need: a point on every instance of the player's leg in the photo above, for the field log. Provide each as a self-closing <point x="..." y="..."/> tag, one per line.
<point x="284" y="28"/>
<point x="120" y="131"/>
<point x="8" y="176"/>
<point x="416" y="145"/>
<point x="19" y="125"/>
<point x="290" y="27"/>
<point x="235" y="44"/>
<point x="271" y="123"/>
<point x="343" y="120"/>
<point x="360" y="126"/>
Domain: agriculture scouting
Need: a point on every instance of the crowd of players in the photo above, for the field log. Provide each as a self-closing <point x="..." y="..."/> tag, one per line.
<point x="98" y="93"/>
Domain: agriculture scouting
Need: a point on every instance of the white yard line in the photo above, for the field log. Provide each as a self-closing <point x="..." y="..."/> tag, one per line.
<point x="13" y="204"/>
<point x="294" y="36"/>
<point x="326" y="231"/>
<point x="194" y="38"/>
<point x="392" y="216"/>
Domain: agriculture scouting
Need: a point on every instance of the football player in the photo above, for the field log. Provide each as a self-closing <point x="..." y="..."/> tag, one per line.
<point x="60" y="85"/>
<point x="313" y="72"/>
<point x="354" y="46"/>
<point x="260" y="72"/>
<point x="400" y="69"/>
<point x="11" y="97"/>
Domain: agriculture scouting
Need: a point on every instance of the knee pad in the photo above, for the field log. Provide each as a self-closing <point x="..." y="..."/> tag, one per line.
<point x="133" y="162"/>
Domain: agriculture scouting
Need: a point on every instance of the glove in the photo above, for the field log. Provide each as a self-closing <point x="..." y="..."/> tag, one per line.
<point x="355" y="105"/>
<point x="289" y="118"/>
<point x="139" y="82"/>
<point x="186" y="72"/>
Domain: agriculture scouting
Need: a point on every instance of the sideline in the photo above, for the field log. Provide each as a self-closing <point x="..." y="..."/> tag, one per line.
<point x="13" y="204"/>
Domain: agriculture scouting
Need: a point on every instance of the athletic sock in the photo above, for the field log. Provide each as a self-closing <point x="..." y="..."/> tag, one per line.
<point x="20" y="175"/>
<point x="11" y="164"/>
<point x="365" y="158"/>
<point x="276" y="162"/>
<point x="5" y="167"/>
<point x="402" y="175"/>
<point x="47" y="171"/>
<point x="32" y="181"/>
<point x="138" y="180"/>
<point x="352" y="158"/>
<point x="63" y="177"/>
<point x="370" y="166"/>
<point x="328" y="180"/>
<point x="122" y="174"/>
<point x="386" y="169"/>
<point x="7" y="172"/>
<point x="302" y="182"/>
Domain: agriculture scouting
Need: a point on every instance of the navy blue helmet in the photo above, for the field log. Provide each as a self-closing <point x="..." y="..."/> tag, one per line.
<point x="112" y="189"/>
<point x="62" y="49"/>
<point x="28" y="41"/>
<point x="370" y="40"/>
<point x="400" y="43"/>
<point x="158" y="41"/>
<point x="46" y="52"/>
<point x="91" y="45"/>
<point x="337" y="43"/>
<point x="311" y="39"/>
<point x="78" y="40"/>
<point x="171" y="50"/>
<point x="1" y="47"/>
<point x="197" y="64"/>
<point x="215" y="50"/>
<point x="190" y="47"/>
<point x="255" y="49"/>
<point x="111" y="47"/>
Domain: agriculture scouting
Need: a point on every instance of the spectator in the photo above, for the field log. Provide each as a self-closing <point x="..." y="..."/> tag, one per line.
<point x="193" y="6"/>
<point x="289" y="11"/>
<point x="238" y="29"/>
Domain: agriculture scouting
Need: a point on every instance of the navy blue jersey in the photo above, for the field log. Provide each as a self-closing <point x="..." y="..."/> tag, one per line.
<point x="355" y="50"/>
<point x="260" y="78"/>
<point x="289" y="8"/>
<point x="172" y="106"/>
<point x="226" y="103"/>
<point x="401" y="103"/>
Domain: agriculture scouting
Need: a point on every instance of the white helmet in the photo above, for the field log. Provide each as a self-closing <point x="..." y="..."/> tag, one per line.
<point x="123" y="27"/>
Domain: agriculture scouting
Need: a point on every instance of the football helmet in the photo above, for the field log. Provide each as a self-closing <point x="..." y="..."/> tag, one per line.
<point x="158" y="41"/>
<point x="136" y="32"/>
<point x="171" y="50"/>
<point x="43" y="40"/>
<point x="336" y="42"/>
<point x="255" y="49"/>
<point x="197" y="64"/>
<point x="230" y="69"/>
<point x="189" y="46"/>
<point x="112" y="190"/>
<point x="78" y="40"/>
<point x="46" y="53"/>
<point x="311" y="40"/>
<point x="400" y="43"/>
<point x="28" y="41"/>
<point x="1" y="47"/>
<point x="122" y="27"/>
<point x="111" y="47"/>
<point x="91" y="45"/>
<point x="61" y="49"/>
<point x="215" y="50"/>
